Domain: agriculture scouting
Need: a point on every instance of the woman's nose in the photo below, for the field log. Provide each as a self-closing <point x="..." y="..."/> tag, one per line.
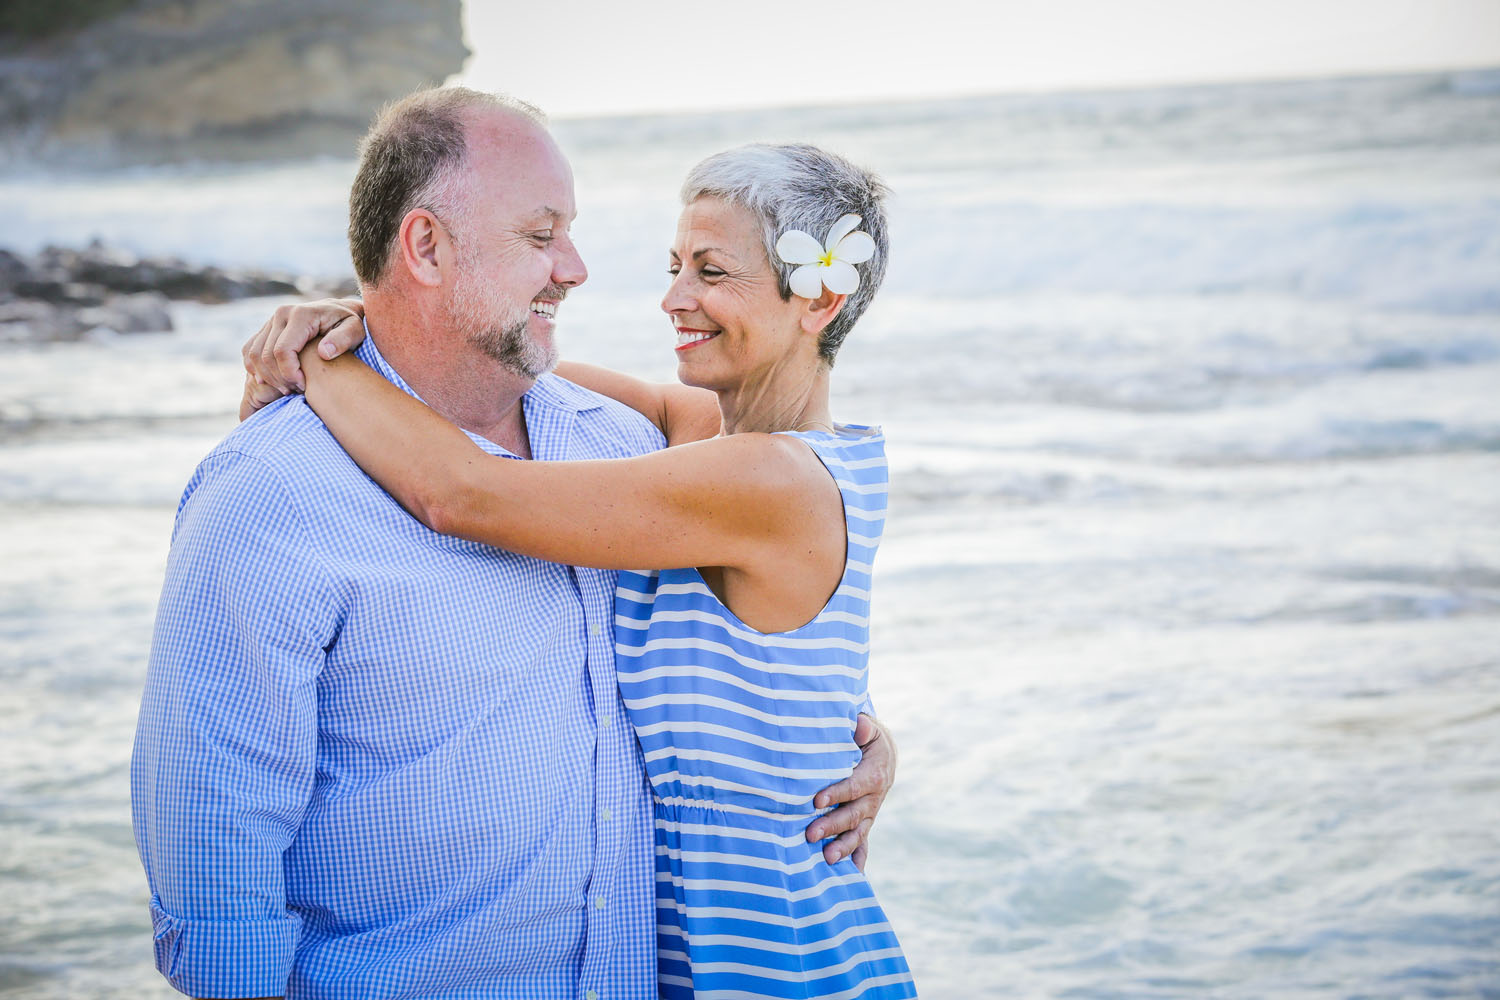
<point x="677" y="299"/>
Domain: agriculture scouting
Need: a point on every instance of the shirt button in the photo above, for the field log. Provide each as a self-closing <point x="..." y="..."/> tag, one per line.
<point x="599" y="902"/>
<point x="595" y="630"/>
<point x="605" y="814"/>
<point x="591" y="995"/>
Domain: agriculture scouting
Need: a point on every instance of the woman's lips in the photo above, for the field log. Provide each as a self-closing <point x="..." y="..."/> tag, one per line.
<point x="692" y="338"/>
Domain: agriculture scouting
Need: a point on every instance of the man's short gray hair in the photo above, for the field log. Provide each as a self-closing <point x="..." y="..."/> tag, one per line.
<point x="799" y="186"/>
<point x="412" y="158"/>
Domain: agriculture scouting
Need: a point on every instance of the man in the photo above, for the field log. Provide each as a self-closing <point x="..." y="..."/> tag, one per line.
<point x="373" y="761"/>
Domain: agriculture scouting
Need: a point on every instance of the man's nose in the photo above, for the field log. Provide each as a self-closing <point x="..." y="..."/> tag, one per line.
<point x="568" y="268"/>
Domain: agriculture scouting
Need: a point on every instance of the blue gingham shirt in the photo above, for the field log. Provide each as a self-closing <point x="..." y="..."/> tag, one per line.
<point x="374" y="761"/>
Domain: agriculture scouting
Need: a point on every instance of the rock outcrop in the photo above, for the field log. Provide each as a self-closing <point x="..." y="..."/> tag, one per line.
<point x="168" y="80"/>
<point x="62" y="294"/>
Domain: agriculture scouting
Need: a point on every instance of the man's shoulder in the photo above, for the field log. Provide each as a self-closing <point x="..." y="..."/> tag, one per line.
<point x="280" y="445"/>
<point x="270" y="430"/>
<point x="607" y="423"/>
<point x="285" y="436"/>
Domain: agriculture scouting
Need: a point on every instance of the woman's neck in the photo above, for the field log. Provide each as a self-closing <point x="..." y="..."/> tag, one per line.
<point x="785" y="399"/>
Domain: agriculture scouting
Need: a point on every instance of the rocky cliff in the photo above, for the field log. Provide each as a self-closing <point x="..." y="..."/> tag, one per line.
<point x="153" y="81"/>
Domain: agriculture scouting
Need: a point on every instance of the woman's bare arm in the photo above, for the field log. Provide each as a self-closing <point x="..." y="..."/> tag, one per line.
<point x="682" y="413"/>
<point x="745" y="501"/>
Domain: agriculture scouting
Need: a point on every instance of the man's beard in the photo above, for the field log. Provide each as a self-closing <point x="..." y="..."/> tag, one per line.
<point x="478" y="310"/>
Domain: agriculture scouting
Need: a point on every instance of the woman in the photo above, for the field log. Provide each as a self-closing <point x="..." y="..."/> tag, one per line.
<point x="743" y="661"/>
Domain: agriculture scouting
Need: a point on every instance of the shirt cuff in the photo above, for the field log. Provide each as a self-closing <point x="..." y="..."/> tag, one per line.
<point x="225" y="958"/>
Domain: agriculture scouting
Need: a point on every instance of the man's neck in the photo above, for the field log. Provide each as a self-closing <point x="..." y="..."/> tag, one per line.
<point x="458" y="381"/>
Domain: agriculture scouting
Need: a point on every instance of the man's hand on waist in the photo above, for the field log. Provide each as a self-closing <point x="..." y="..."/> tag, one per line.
<point x="858" y="796"/>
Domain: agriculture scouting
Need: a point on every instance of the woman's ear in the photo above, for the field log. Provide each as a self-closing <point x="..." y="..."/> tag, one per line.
<point x="425" y="246"/>
<point x="819" y="312"/>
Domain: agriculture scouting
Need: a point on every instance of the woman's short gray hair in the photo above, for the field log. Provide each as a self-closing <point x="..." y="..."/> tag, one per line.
<point x="798" y="186"/>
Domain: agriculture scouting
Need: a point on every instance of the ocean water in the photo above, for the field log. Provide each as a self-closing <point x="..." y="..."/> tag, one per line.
<point x="1188" y="618"/>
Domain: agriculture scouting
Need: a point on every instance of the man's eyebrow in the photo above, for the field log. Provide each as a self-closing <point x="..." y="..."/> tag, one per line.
<point x="548" y="212"/>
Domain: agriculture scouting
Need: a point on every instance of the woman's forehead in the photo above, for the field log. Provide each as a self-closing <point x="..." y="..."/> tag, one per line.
<point x="714" y="220"/>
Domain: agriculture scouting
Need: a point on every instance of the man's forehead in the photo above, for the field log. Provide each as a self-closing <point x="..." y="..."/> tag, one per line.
<point x="514" y="154"/>
<point x="508" y="136"/>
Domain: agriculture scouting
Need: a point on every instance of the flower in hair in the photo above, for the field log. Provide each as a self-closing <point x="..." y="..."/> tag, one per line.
<point x="829" y="264"/>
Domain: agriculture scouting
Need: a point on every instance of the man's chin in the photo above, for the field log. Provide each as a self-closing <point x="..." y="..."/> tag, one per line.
<point x="517" y="353"/>
<point x="532" y="370"/>
<point x="532" y="358"/>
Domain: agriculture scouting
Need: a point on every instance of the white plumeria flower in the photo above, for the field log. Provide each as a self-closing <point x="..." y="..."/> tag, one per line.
<point x="829" y="264"/>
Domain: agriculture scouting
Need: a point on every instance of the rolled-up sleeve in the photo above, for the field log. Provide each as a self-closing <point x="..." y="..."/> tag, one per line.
<point x="225" y="748"/>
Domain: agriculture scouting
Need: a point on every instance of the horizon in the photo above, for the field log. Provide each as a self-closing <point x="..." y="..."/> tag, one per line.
<point x="1060" y="91"/>
<point x="649" y="62"/>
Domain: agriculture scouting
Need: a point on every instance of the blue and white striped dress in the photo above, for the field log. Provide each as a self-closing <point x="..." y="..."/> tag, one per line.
<point x="740" y="730"/>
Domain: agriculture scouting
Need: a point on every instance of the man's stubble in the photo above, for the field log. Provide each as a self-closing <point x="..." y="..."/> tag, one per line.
<point x="479" y="311"/>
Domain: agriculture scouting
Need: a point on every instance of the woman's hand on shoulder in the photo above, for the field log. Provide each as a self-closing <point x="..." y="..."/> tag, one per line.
<point x="271" y="364"/>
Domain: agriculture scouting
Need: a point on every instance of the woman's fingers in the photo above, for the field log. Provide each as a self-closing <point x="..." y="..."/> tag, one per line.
<point x="268" y="366"/>
<point x="271" y="355"/>
<point x="303" y="323"/>
<point x="257" y="394"/>
<point x="250" y="353"/>
<point x="348" y="333"/>
<point x="322" y="318"/>
<point x="344" y="337"/>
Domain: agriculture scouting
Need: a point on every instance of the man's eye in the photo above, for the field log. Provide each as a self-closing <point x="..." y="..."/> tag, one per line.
<point x="543" y="237"/>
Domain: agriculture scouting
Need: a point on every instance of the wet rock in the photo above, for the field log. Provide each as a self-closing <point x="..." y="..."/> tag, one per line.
<point x="142" y="312"/>
<point x="31" y="320"/>
<point x="63" y="294"/>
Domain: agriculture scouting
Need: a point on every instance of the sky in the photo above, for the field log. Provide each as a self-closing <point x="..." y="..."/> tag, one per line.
<point x="584" y="57"/>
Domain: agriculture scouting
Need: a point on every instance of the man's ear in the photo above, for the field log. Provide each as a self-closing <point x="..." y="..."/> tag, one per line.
<point x="819" y="312"/>
<point x="425" y="246"/>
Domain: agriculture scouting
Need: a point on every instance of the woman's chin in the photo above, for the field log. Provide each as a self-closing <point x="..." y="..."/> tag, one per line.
<point x="695" y="376"/>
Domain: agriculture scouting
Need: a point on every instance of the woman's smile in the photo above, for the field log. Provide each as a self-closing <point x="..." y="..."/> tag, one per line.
<point x="688" y="337"/>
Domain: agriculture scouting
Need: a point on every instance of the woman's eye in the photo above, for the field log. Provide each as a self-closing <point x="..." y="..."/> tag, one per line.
<point x="674" y="270"/>
<point x="711" y="273"/>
